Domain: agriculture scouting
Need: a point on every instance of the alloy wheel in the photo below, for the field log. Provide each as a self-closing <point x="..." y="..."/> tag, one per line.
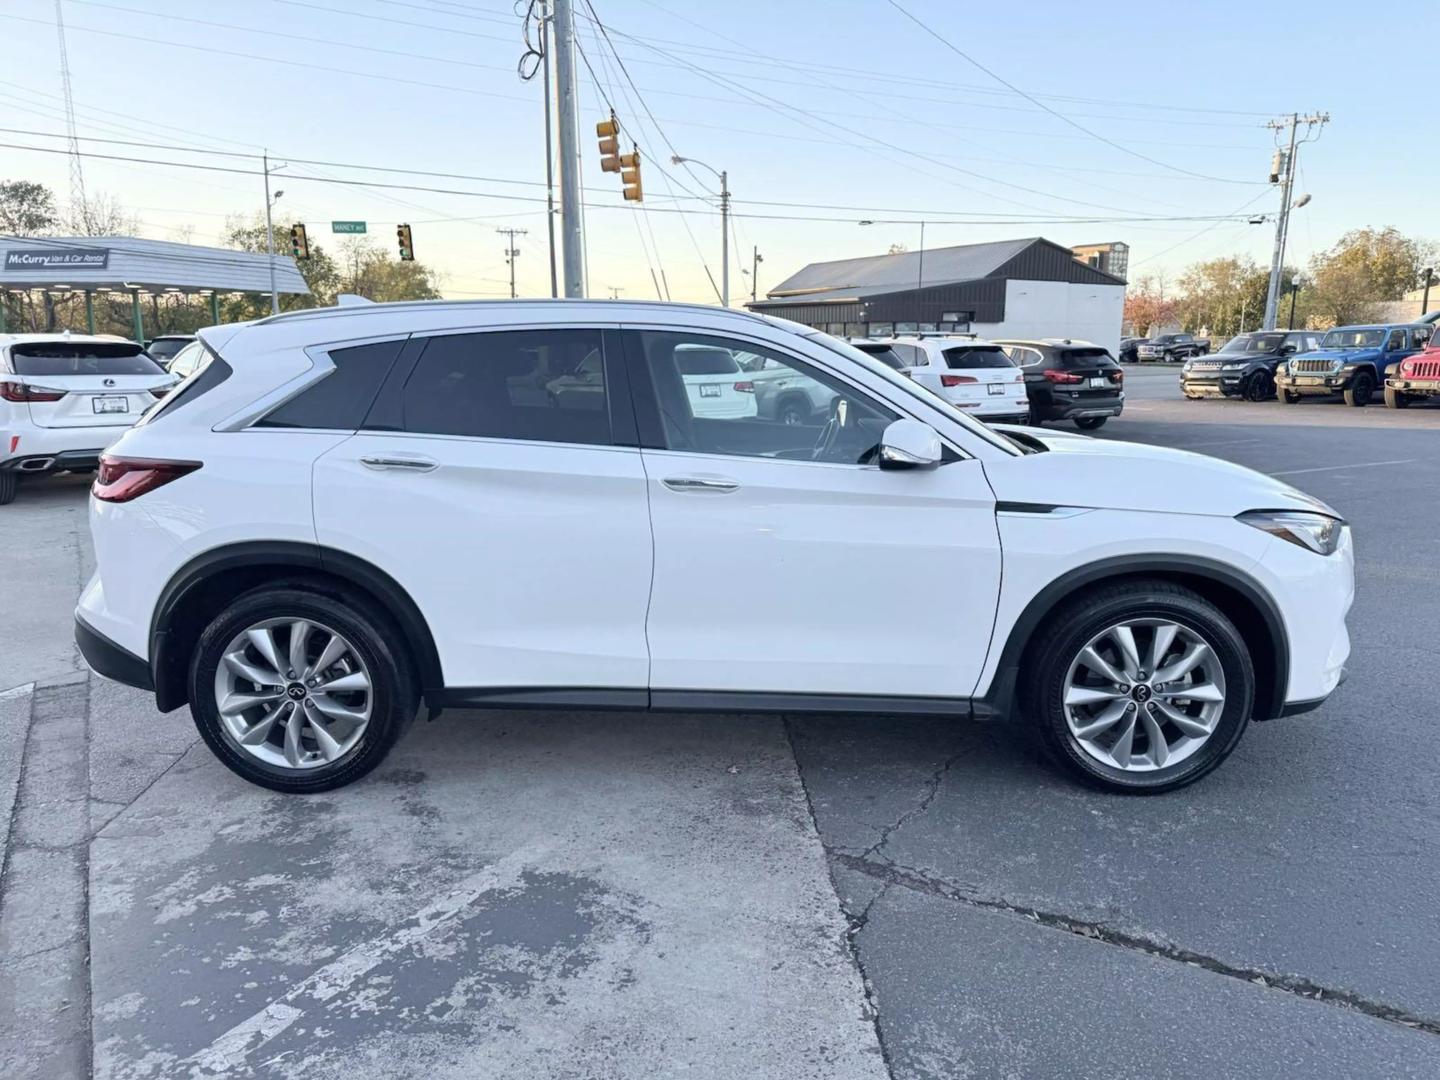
<point x="1144" y="694"/>
<point x="293" y="693"/>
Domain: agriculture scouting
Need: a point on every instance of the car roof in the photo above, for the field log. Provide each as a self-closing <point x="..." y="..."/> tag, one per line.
<point x="944" y="340"/>
<point x="1382" y="326"/>
<point x="6" y="340"/>
<point x="1051" y="342"/>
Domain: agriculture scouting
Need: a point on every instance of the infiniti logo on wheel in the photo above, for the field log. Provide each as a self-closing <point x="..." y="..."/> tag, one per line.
<point x="296" y="691"/>
<point x="1142" y="693"/>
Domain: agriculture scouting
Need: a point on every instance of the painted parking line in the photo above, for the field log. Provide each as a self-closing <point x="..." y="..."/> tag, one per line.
<point x="1338" y="468"/>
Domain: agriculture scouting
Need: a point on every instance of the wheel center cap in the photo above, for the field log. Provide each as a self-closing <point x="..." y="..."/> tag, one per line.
<point x="1141" y="693"/>
<point x="296" y="691"/>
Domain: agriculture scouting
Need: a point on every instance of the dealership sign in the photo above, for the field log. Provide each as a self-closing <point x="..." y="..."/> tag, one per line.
<point x="58" y="258"/>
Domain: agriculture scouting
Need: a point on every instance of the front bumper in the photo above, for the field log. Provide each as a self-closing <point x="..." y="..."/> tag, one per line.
<point x="1212" y="384"/>
<point x="108" y="659"/>
<point x="1317" y="384"/>
<point x="1426" y="387"/>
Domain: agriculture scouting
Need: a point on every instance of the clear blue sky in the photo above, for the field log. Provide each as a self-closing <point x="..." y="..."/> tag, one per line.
<point x="842" y="103"/>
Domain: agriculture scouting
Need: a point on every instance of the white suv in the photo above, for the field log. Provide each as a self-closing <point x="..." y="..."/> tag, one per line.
<point x="65" y="397"/>
<point x="346" y="513"/>
<point x="975" y="376"/>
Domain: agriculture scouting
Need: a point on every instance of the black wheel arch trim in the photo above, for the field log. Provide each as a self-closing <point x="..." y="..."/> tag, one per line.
<point x="169" y="664"/>
<point x="999" y="699"/>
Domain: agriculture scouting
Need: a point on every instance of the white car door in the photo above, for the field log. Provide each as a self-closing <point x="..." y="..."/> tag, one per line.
<point x="498" y="482"/>
<point x="787" y="562"/>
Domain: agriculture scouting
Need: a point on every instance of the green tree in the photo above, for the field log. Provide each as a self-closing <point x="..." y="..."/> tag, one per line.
<point x="1225" y="296"/>
<point x="26" y="208"/>
<point x="1366" y="266"/>
<point x="370" y="272"/>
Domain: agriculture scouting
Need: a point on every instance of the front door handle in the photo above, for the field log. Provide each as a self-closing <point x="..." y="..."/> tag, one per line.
<point x="700" y="483"/>
<point x="414" y="464"/>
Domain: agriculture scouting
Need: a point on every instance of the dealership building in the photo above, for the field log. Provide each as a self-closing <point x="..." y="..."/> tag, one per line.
<point x="1008" y="289"/>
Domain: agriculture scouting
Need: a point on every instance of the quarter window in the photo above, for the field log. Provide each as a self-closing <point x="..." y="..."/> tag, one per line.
<point x="341" y="399"/>
<point x="781" y="408"/>
<point x="536" y="385"/>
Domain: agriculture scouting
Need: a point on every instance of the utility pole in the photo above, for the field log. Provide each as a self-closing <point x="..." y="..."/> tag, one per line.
<point x="1285" y="176"/>
<point x="724" y="176"/>
<point x="615" y="291"/>
<point x="511" y="251"/>
<point x="755" y="261"/>
<point x="567" y="95"/>
<point x="549" y="144"/>
<point x="1425" y="300"/>
<point x="270" y="235"/>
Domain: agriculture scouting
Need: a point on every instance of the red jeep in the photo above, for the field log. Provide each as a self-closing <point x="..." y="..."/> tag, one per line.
<point x="1417" y="377"/>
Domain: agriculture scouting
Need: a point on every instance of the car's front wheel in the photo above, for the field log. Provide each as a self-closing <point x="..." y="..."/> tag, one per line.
<point x="298" y="691"/>
<point x="1260" y="387"/>
<point x="1139" y="687"/>
<point x="1358" y="392"/>
<point x="1394" y="399"/>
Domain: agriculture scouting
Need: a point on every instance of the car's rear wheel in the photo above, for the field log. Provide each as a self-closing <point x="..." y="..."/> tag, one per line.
<point x="793" y="411"/>
<point x="1394" y="399"/>
<point x="1090" y="423"/>
<point x="300" y="692"/>
<point x="1139" y="687"/>
<point x="9" y="484"/>
<point x="1358" y="392"/>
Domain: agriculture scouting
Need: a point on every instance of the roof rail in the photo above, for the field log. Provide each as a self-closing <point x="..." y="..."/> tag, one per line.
<point x="356" y="309"/>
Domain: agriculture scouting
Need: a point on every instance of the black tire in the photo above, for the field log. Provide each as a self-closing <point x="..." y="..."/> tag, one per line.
<point x="1090" y="423"/>
<point x="1168" y="357"/>
<point x="1065" y="633"/>
<point x="1289" y="397"/>
<point x="9" y="484"/>
<point x="395" y="696"/>
<point x="1357" y="394"/>
<point x="1394" y="399"/>
<point x="793" y="411"/>
<point x="1259" y="387"/>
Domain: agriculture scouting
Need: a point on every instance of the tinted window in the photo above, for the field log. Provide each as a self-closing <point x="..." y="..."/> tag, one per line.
<point x="82" y="358"/>
<point x="702" y="361"/>
<point x="164" y="348"/>
<point x="976" y="356"/>
<point x="1085" y="358"/>
<point x="783" y="408"/>
<point x="885" y="354"/>
<point x="541" y="385"/>
<point x="342" y="398"/>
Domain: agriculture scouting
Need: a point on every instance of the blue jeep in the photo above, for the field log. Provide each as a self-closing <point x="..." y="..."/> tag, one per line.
<point x="1351" y="360"/>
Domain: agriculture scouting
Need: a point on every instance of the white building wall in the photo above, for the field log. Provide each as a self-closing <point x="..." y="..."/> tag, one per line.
<point x="1040" y="309"/>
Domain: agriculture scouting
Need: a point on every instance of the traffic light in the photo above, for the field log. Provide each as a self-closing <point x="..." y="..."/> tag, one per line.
<point x="407" y="249"/>
<point x="299" y="242"/>
<point x="630" y="176"/>
<point x="608" y="132"/>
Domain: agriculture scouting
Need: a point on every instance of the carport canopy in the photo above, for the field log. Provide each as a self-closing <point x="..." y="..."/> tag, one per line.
<point x="136" y="267"/>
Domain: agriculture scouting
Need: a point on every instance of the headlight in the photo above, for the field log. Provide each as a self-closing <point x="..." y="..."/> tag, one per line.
<point x="1317" y="532"/>
<point x="1235" y="367"/>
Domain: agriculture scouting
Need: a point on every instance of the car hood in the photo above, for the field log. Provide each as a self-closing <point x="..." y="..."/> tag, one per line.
<point x="1077" y="470"/>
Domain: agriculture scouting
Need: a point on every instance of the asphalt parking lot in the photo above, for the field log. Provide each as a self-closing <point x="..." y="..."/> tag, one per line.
<point x="613" y="895"/>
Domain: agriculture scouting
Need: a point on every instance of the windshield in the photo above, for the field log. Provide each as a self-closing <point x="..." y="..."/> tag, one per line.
<point x="82" y="358"/>
<point x="1254" y="343"/>
<point x="909" y="387"/>
<point x="1353" y="339"/>
<point x="976" y="356"/>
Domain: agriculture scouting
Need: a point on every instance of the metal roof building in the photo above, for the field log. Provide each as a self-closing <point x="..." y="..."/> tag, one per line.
<point x="130" y="265"/>
<point x="1010" y="288"/>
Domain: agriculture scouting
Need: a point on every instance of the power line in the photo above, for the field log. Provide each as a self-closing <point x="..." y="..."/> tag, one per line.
<point x="1053" y="112"/>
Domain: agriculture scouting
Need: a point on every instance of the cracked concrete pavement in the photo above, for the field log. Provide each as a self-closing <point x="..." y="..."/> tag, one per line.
<point x="613" y="895"/>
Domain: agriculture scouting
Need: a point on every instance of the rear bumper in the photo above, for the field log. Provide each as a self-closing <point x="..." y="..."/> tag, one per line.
<point x="29" y="442"/>
<point x="64" y="461"/>
<point x="108" y="659"/>
<point x="1074" y="410"/>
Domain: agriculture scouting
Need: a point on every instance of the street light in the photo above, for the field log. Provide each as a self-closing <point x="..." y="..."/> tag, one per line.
<point x="1296" y="284"/>
<point x="270" y="232"/>
<point x="919" y="273"/>
<point x="676" y="159"/>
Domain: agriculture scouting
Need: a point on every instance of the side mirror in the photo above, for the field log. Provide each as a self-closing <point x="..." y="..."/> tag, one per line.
<point x="909" y="444"/>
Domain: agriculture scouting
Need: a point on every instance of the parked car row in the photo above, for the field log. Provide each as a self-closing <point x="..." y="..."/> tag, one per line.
<point x="1354" y="362"/>
<point x="1010" y="380"/>
<point x="1169" y="348"/>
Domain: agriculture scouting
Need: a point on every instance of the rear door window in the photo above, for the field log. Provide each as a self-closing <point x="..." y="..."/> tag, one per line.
<point x="52" y="358"/>
<point x="976" y="356"/>
<point x="533" y="385"/>
<point x="340" y="400"/>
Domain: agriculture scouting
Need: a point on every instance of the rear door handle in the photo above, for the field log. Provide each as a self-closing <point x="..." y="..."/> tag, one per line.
<point x="414" y="464"/>
<point x="700" y="483"/>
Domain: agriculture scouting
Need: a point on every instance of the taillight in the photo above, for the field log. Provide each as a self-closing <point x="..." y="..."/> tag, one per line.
<point x="1117" y="375"/>
<point x="121" y="479"/>
<point x="160" y="391"/>
<point x="1019" y="376"/>
<point x="745" y="387"/>
<point x="956" y="380"/>
<point x="19" y="392"/>
<point x="1062" y="377"/>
